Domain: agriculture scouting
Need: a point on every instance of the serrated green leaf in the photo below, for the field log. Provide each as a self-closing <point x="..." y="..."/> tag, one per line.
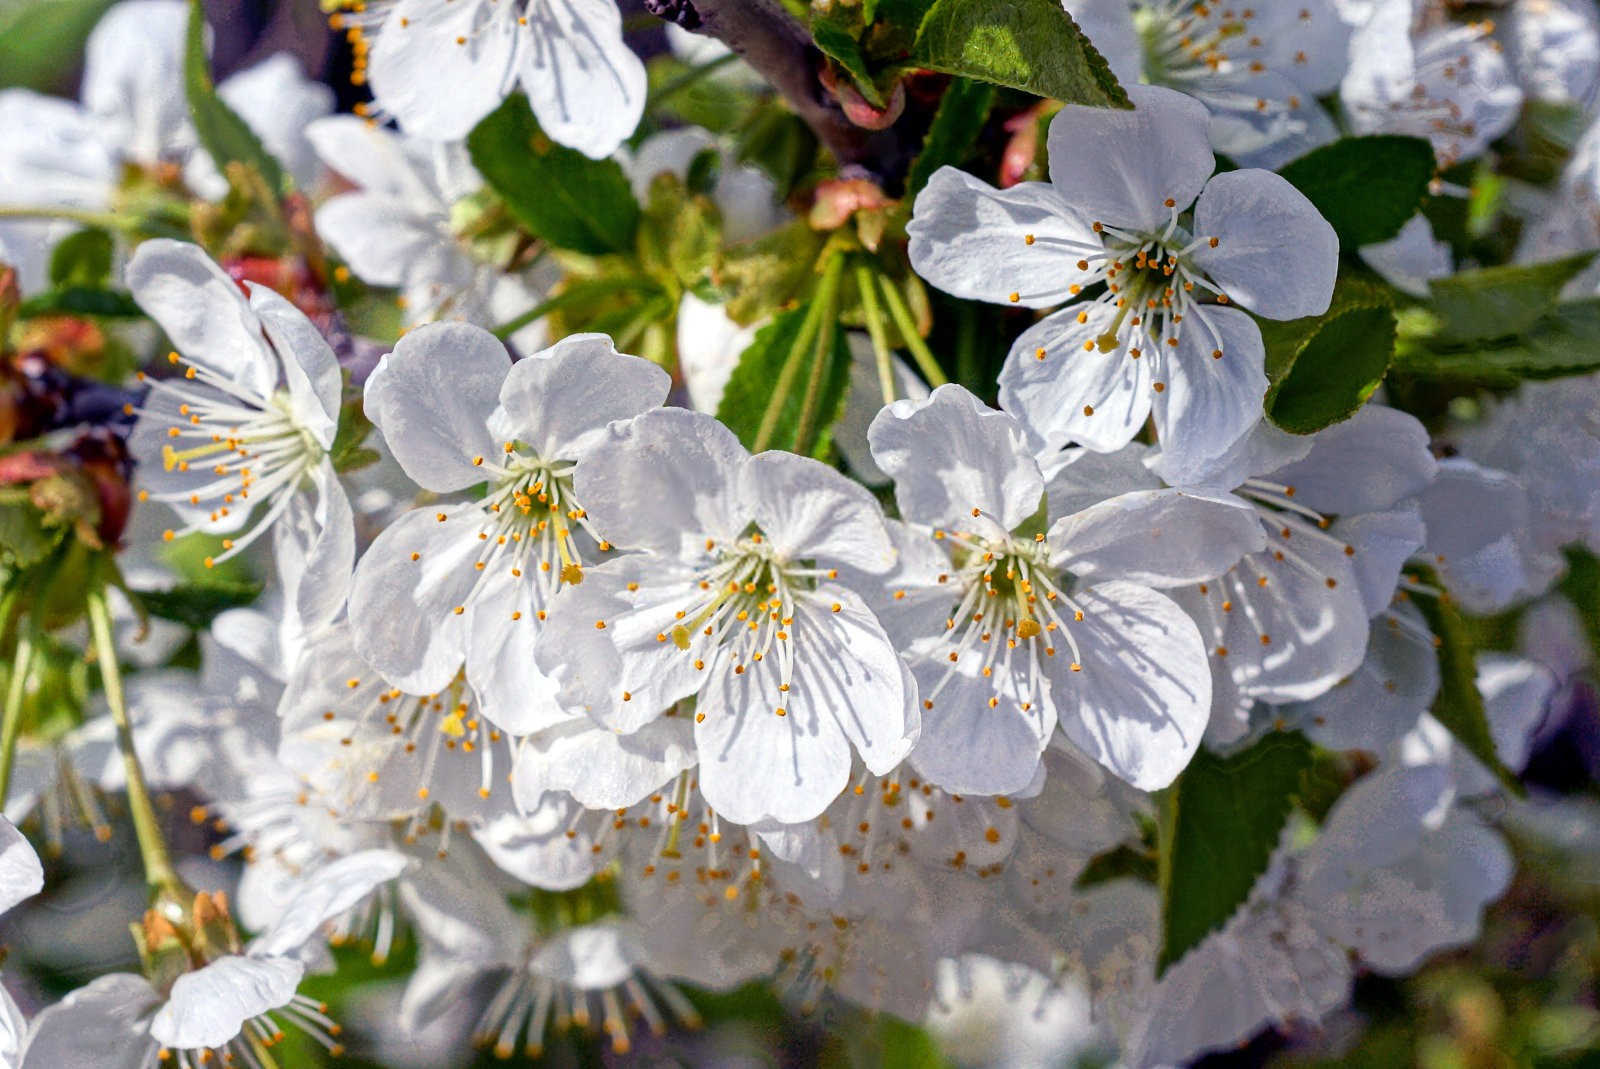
<point x="197" y="604"/>
<point x="1366" y="187"/>
<point x="1220" y="823"/>
<point x="1032" y="45"/>
<point x="752" y="388"/>
<point x="81" y="301"/>
<point x="221" y="132"/>
<point x="1566" y="341"/>
<point x="956" y="126"/>
<point x="1321" y="369"/>
<point x="557" y="193"/>
<point x="1502" y="301"/>
<point x="82" y="259"/>
<point x="1459" y="704"/>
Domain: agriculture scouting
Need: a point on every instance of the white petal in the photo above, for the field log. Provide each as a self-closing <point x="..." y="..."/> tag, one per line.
<point x="209" y="1006"/>
<point x="515" y="695"/>
<point x="439" y="68"/>
<point x="133" y="78"/>
<point x="203" y="312"/>
<point x="1381" y="701"/>
<point x="1516" y="696"/>
<point x="1388" y="447"/>
<point x="1264" y="449"/>
<point x="1075" y="395"/>
<point x="1109" y="26"/>
<point x="380" y="237"/>
<point x="1209" y="403"/>
<point x="278" y="102"/>
<point x="806" y="509"/>
<point x="709" y="346"/>
<point x="310" y="370"/>
<point x="848" y="668"/>
<point x="598" y="767"/>
<point x="1078" y="478"/>
<point x="432" y="398"/>
<point x="330" y="890"/>
<point x="21" y="874"/>
<point x="1412" y="258"/>
<point x="950" y="454"/>
<point x="1140" y="704"/>
<point x="387" y="165"/>
<point x="1276" y="255"/>
<point x="1476" y="520"/>
<point x="559" y="401"/>
<point x="315" y="549"/>
<point x="970" y="240"/>
<point x="664" y="481"/>
<point x="1265" y="120"/>
<point x="1156" y="537"/>
<point x="1383" y="542"/>
<point x="535" y="848"/>
<point x="969" y="747"/>
<point x="1121" y="167"/>
<point x="403" y="611"/>
<point x="97" y="1025"/>
<point x="586" y="86"/>
<point x="592" y="957"/>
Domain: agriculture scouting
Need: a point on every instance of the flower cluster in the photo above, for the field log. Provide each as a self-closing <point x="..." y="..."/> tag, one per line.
<point x="588" y="548"/>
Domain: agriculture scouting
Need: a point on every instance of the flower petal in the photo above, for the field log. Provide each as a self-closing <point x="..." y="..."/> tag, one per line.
<point x="310" y="370"/>
<point x="1156" y="537"/>
<point x="599" y="768"/>
<point x="1275" y="254"/>
<point x="439" y="68"/>
<point x="971" y="240"/>
<point x="21" y="874"/>
<point x="432" y="398"/>
<point x="950" y="454"/>
<point x="1388" y="447"/>
<point x="324" y="894"/>
<point x="806" y="509"/>
<point x="208" y="1007"/>
<point x="99" y="1024"/>
<point x="559" y="400"/>
<point x="1208" y="403"/>
<point x="1075" y="394"/>
<point x="1121" y="167"/>
<point x="586" y="86"/>
<point x="970" y="747"/>
<point x="848" y="668"/>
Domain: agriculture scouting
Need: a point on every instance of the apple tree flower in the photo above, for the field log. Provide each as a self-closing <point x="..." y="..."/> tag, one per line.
<point x="469" y="582"/>
<point x="1155" y="331"/>
<point x="732" y="597"/>
<point x="438" y="66"/>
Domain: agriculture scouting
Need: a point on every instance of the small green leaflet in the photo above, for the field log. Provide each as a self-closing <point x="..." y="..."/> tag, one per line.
<point x="197" y="604"/>
<point x="1032" y="45"/>
<point x="557" y="193"/>
<point x="836" y="34"/>
<point x="1459" y="704"/>
<point x="1321" y="369"/>
<point x="221" y="132"/>
<point x="956" y="126"/>
<point x="1566" y="341"/>
<point x="82" y="259"/>
<point x="1500" y="302"/>
<point x="1365" y="187"/>
<point x="81" y="301"/>
<point x="1220" y="823"/>
<point x="780" y="355"/>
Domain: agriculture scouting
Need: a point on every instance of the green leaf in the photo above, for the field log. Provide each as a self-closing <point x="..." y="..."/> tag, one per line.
<point x="1321" y="369"/>
<point x="956" y="126"/>
<point x="24" y="538"/>
<point x="1459" y="704"/>
<point x="1032" y="45"/>
<point x="753" y="385"/>
<point x="1499" y="302"/>
<point x="348" y="451"/>
<point x="221" y="132"/>
<point x="81" y="301"/>
<point x="779" y="142"/>
<point x="1366" y="187"/>
<point x="1565" y="341"/>
<point x="40" y="41"/>
<point x="1220" y="823"/>
<point x="82" y="259"/>
<point x="558" y="193"/>
<point x="837" y="35"/>
<point x="197" y="604"/>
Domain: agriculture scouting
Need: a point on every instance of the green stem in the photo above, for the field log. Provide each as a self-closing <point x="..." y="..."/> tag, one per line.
<point x="908" y="330"/>
<point x="688" y="78"/>
<point x="579" y="292"/>
<point x="158" y="870"/>
<point x="867" y="283"/>
<point x="105" y="220"/>
<point x="791" y="364"/>
<point x="821" y="357"/>
<point x="11" y="725"/>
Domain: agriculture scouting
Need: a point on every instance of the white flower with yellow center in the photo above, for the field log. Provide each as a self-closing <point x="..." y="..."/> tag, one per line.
<point x="1011" y="630"/>
<point x="1154" y="331"/>
<point x="236" y="439"/>
<point x="438" y="66"/>
<point x="733" y="599"/>
<point x="469" y="582"/>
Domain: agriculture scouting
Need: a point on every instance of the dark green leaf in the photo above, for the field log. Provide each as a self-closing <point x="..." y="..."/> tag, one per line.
<point x="1499" y="302"/>
<point x="1459" y="704"/>
<point x="1565" y="342"/>
<point x="1366" y="187"/>
<point x="837" y="35"/>
<point x="221" y="132"/>
<point x="197" y="604"/>
<point x="1122" y="862"/>
<point x="751" y="386"/>
<point x="956" y="126"/>
<point x="1220" y="823"/>
<point x="40" y="41"/>
<point x="82" y="259"/>
<point x="1032" y="45"/>
<point x="558" y="193"/>
<point x="81" y="301"/>
<point x="348" y="452"/>
<point x="1320" y="369"/>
